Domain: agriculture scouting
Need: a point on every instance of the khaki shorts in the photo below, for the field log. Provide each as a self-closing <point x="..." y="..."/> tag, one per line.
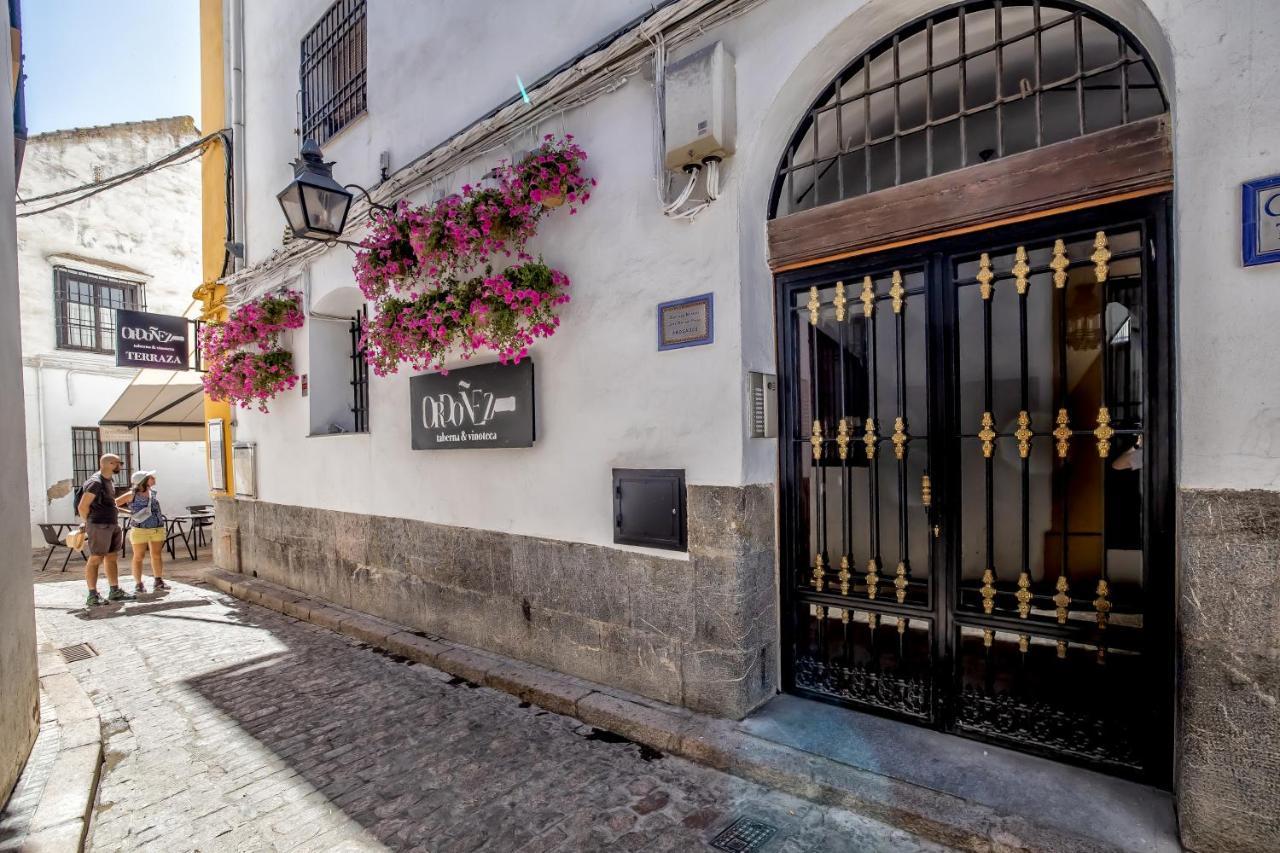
<point x="143" y="535"/>
<point x="103" y="539"/>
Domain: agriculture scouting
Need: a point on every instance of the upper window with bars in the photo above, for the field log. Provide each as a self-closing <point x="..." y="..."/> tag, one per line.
<point x="87" y="448"/>
<point x="333" y="71"/>
<point x="85" y="307"/>
<point x="967" y="85"/>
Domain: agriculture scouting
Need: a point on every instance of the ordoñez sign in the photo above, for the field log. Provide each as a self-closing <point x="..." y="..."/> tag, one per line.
<point x="157" y="341"/>
<point x="486" y="406"/>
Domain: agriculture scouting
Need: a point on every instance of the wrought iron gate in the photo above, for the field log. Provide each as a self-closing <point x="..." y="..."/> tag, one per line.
<point x="976" y="456"/>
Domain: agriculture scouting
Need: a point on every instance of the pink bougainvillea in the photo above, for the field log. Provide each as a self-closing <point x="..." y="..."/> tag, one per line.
<point x="243" y="360"/>
<point x="419" y="265"/>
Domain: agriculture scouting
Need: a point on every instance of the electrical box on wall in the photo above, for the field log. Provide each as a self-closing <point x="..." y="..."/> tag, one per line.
<point x="649" y="508"/>
<point x="699" y="109"/>
<point x="763" y="405"/>
<point x="244" y="468"/>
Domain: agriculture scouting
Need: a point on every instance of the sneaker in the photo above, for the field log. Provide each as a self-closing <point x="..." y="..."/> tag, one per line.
<point x="118" y="594"/>
<point x="94" y="600"/>
<point x="139" y="588"/>
<point x="160" y="584"/>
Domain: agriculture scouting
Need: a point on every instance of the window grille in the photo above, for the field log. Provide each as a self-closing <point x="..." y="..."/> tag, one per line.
<point x="87" y="448"/>
<point x="359" y="373"/>
<point x="974" y="83"/>
<point x="86" y="305"/>
<point x="333" y="71"/>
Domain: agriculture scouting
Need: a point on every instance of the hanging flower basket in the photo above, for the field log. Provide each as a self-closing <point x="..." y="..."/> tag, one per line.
<point x="430" y="272"/>
<point x="243" y="359"/>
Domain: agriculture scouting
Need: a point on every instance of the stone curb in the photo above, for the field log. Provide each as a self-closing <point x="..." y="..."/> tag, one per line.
<point x="61" y="819"/>
<point x="710" y="741"/>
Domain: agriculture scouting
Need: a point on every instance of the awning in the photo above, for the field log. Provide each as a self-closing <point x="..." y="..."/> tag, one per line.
<point x="158" y="405"/>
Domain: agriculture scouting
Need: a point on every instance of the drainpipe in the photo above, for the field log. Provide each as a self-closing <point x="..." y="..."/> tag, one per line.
<point x="236" y="94"/>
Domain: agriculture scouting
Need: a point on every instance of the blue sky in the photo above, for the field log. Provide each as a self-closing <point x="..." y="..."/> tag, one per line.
<point x="91" y="62"/>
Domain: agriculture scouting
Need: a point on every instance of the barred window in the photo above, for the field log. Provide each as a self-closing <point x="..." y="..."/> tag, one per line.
<point x="85" y="307"/>
<point x="359" y="372"/>
<point x="333" y="71"/>
<point x="87" y="447"/>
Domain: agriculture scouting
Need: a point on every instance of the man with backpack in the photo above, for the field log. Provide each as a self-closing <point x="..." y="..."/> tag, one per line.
<point x="103" y="536"/>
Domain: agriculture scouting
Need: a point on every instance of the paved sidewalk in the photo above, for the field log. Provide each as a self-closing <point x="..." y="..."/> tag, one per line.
<point x="232" y="727"/>
<point x="15" y="816"/>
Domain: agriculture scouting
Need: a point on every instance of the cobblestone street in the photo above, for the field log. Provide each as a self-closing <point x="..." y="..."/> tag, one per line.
<point x="231" y="727"/>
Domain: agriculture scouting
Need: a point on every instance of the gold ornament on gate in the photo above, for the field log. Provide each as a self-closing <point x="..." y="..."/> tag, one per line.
<point x="900" y="582"/>
<point x="1062" y="432"/>
<point x="1100" y="257"/>
<point x="818" y="574"/>
<point x="896" y="292"/>
<point x="844" y="575"/>
<point x="1023" y="434"/>
<point x="1104" y="432"/>
<point x="985" y="276"/>
<point x="1062" y="601"/>
<point x="1024" y="595"/>
<point x="926" y="491"/>
<point x="1102" y="605"/>
<point x="1021" y="269"/>
<point x="814" y="306"/>
<point x="899" y="438"/>
<point x="1059" y="264"/>
<point x="873" y="579"/>
<point x="842" y="439"/>
<point x="840" y="301"/>
<point x="868" y="297"/>
<point x="988" y="591"/>
<point x="987" y="435"/>
<point x="870" y="438"/>
<point x="816" y="440"/>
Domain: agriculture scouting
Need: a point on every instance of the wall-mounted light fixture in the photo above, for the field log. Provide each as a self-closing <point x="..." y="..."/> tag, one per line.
<point x="314" y="204"/>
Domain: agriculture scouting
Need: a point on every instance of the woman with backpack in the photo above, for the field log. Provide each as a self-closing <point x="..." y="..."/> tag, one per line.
<point x="147" y="530"/>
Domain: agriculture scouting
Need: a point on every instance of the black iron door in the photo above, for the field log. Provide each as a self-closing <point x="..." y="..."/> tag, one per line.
<point x="976" y="457"/>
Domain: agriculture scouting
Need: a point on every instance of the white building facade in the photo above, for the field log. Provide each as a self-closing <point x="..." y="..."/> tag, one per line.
<point x="134" y="246"/>
<point x="1034" y="464"/>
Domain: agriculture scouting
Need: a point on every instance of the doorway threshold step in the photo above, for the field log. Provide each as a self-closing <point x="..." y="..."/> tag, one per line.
<point x="1113" y="813"/>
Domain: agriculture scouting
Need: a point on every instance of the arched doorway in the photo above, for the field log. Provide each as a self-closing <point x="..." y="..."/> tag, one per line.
<point x="969" y="235"/>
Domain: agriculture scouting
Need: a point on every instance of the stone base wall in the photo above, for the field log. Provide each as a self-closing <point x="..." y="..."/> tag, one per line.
<point x="1228" y="771"/>
<point x="699" y="632"/>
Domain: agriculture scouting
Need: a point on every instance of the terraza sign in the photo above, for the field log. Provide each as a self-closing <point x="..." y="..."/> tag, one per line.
<point x="486" y="406"/>
<point x="157" y="341"/>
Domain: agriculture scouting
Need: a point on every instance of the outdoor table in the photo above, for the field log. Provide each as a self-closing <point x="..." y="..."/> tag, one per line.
<point x="199" y="521"/>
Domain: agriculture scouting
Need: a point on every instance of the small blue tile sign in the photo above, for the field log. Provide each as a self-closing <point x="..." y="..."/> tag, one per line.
<point x="687" y="322"/>
<point x="1261" y="213"/>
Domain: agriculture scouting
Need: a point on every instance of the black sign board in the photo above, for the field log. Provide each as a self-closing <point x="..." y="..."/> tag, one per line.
<point x="158" y="341"/>
<point x="486" y="406"/>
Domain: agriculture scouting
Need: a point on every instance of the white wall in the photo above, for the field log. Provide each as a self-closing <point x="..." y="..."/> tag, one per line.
<point x="606" y="397"/>
<point x="146" y="231"/>
<point x="19" y="702"/>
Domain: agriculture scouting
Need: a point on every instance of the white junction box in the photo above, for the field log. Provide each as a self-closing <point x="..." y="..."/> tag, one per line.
<point x="699" y="107"/>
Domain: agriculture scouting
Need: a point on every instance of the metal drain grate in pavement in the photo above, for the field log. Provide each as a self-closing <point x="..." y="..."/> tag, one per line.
<point x="80" y="651"/>
<point x="744" y="835"/>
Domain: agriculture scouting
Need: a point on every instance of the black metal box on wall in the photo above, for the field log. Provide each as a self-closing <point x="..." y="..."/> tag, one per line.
<point x="649" y="508"/>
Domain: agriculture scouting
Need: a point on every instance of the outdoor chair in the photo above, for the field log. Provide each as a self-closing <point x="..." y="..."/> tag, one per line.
<point x="50" y="533"/>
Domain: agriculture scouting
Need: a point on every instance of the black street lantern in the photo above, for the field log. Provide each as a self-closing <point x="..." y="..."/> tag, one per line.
<point x="314" y="203"/>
